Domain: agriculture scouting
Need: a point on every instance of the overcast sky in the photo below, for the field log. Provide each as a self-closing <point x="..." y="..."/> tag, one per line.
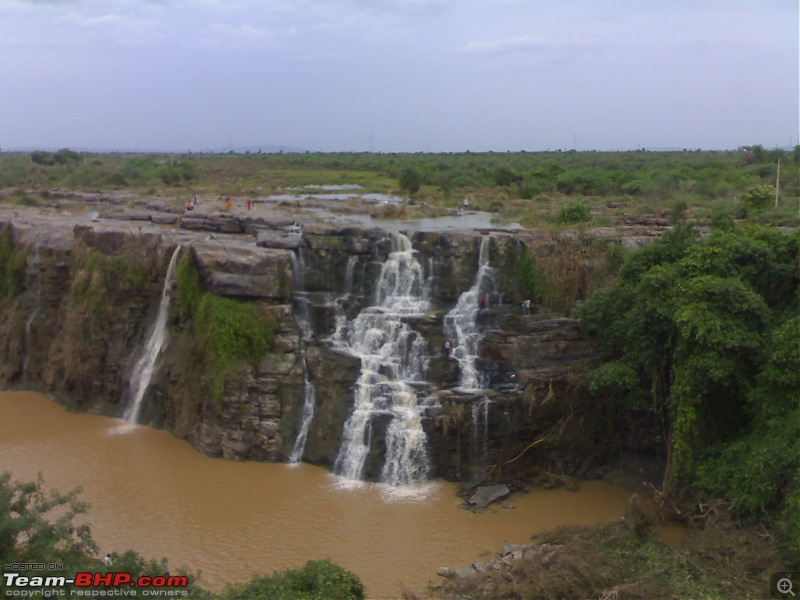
<point x="399" y="75"/>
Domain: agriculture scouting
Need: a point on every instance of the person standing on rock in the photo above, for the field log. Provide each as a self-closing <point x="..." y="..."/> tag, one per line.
<point x="228" y="204"/>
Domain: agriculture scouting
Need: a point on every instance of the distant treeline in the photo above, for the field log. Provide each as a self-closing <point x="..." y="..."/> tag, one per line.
<point x="703" y="175"/>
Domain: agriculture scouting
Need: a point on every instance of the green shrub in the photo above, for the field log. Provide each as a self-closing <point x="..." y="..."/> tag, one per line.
<point x="757" y="198"/>
<point x="316" y="580"/>
<point x="573" y="213"/>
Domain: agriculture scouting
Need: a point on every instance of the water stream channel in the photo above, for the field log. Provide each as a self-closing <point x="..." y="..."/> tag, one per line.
<point x="229" y="520"/>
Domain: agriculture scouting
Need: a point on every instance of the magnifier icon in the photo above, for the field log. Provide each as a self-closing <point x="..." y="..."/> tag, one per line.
<point x="785" y="586"/>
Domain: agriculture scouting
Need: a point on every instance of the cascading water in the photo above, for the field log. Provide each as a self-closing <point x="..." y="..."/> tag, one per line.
<point x="36" y="277"/>
<point x="393" y="359"/>
<point x="303" y="318"/>
<point x="308" y="416"/>
<point x="461" y="323"/>
<point x="479" y="431"/>
<point x="143" y="370"/>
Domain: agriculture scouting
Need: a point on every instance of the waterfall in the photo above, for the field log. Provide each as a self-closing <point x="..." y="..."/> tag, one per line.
<point x="348" y="275"/>
<point x="36" y="277"/>
<point x="308" y="415"/>
<point x="461" y="323"/>
<point x="143" y="370"/>
<point x="393" y="359"/>
<point x="303" y="318"/>
<point x="479" y="431"/>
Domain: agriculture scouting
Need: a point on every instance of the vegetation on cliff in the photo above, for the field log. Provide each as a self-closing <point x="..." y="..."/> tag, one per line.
<point x="557" y="281"/>
<point x="12" y="266"/>
<point x="103" y="280"/>
<point x="705" y="334"/>
<point x="227" y="331"/>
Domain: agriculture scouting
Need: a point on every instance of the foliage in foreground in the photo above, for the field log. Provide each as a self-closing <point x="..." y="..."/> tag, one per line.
<point x="704" y="333"/>
<point x="316" y="580"/>
<point x="37" y="526"/>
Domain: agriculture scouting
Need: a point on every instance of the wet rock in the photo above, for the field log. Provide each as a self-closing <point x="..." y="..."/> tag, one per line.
<point x="485" y="495"/>
<point x="444" y="572"/>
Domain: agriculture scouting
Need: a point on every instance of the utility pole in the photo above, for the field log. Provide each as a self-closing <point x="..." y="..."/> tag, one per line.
<point x="777" y="182"/>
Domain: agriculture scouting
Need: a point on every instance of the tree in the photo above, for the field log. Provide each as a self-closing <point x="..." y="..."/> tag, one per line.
<point x="38" y="527"/>
<point x="410" y="180"/>
<point x="688" y="322"/>
<point x="757" y="198"/>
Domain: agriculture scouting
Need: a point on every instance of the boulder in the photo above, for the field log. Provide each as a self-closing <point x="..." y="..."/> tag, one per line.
<point x="287" y="240"/>
<point x="245" y="271"/>
<point x="485" y="495"/>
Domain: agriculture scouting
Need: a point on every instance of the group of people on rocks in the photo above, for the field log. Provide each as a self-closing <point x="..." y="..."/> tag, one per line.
<point x="228" y="204"/>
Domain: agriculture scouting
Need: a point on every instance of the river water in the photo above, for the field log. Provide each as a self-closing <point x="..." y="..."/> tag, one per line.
<point x="230" y="520"/>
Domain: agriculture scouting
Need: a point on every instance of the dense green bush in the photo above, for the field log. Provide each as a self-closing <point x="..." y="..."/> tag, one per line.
<point x="316" y="580"/>
<point x="573" y="213"/>
<point x="757" y="198"/>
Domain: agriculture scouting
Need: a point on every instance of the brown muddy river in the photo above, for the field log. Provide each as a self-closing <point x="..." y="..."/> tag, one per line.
<point x="155" y="494"/>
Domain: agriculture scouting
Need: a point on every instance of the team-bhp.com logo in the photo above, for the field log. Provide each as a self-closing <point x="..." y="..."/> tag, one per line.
<point x="94" y="584"/>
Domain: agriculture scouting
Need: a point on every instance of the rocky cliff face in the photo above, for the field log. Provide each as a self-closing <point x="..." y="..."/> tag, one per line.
<point x="90" y="290"/>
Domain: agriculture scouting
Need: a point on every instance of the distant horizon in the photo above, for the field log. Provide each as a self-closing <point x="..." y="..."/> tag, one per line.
<point x="277" y="149"/>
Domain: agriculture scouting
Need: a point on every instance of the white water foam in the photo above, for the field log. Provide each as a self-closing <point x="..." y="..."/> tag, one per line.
<point x="461" y="323"/>
<point x="393" y="360"/>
